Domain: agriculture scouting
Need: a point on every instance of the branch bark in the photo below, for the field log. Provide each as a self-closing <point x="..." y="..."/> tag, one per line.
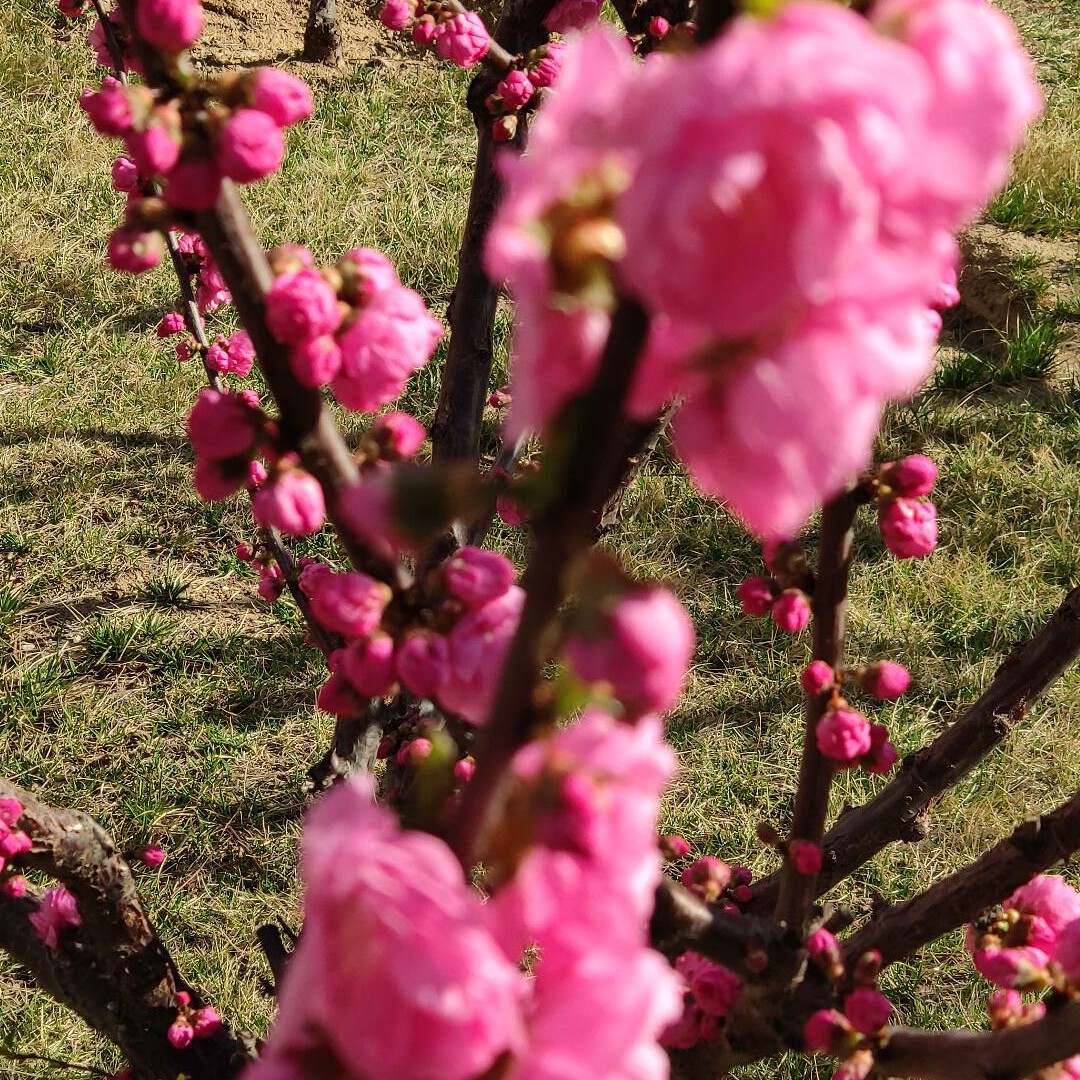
<point x="113" y="970"/>
<point x="797" y="891"/>
<point x="895" y="813"/>
<point x="1035" y="845"/>
<point x="967" y="1055"/>
<point x="322" y="34"/>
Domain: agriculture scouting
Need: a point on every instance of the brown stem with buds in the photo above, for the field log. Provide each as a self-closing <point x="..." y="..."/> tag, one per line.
<point x="112" y="970"/>
<point x="587" y="469"/>
<point x="897" y="813"/>
<point x="967" y="1055"/>
<point x="1035" y="845"/>
<point x="797" y="891"/>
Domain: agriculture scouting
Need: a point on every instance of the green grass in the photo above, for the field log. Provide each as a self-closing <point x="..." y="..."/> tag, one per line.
<point x="142" y="680"/>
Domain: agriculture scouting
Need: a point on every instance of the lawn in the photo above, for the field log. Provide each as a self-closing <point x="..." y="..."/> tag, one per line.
<point x="143" y="681"/>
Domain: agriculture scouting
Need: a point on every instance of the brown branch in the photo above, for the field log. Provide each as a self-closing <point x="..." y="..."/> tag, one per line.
<point x="56" y="1063"/>
<point x="966" y="1055"/>
<point x="797" y="891"/>
<point x="322" y="34"/>
<point x="1035" y="845"/>
<point x="897" y="812"/>
<point x="586" y="470"/>
<point x="113" y="970"/>
<point x="637" y="14"/>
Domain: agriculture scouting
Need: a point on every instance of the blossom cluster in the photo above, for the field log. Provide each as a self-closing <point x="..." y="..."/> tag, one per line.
<point x="781" y="201"/>
<point x="13" y="841"/>
<point x="402" y="971"/>
<point x="192" y="1023"/>
<point x="57" y="912"/>
<point x="711" y="990"/>
<point x="908" y="522"/>
<point x="457" y="36"/>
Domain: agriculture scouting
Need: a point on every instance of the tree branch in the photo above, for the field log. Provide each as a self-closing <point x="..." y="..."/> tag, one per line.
<point x="797" y="891"/>
<point x="967" y="1055"/>
<point x="113" y="970"/>
<point x="896" y="812"/>
<point x="1035" y="845"/>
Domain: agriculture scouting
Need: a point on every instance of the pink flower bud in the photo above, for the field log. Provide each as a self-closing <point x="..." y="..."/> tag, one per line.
<point x="72" y="9"/>
<point x="805" y="856"/>
<point x="13" y="885"/>
<point x="125" y="177"/>
<point x="152" y="855"/>
<point x="885" y="680"/>
<point x="155" y="149"/>
<point x="207" y="1022"/>
<point x="180" y="1033"/>
<point x="368" y="665"/>
<point x="822" y="945"/>
<point x="423" y="663"/>
<point x="658" y="27"/>
<point x="674" y="847"/>
<point x="10" y="810"/>
<point x="1006" y="1007"/>
<point x="412" y="753"/>
<point x="13" y="842"/>
<point x="1068" y="951"/>
<point x="257" y="473"/>
<point x="946" y="294"/>
<point x="217" y="357"/>
<point x="882" y="755"/>
<point x="241" y="354"/>
<point x="109" y="108"/>
<point x="396" y="14"/>
<point x="509" y="511"/>
<point x="249" y="146"/>
<point x="756" y="595"/>
<point x="909" y="528"/>
<point x="300" y="305"/>
<point x="463" y="40"/>
<point x="423" y="31"/>
<point x="867" y="1009"/>
<point x="911" y="476"/>
<point x="843" y="735"/>
<point x="283" y="97"/>
<point x="546" y="70"/>
<point x="398" y="435"/>
<point x="825" y="1030"/>
<point x="244" y="552"/>
<point x="56" y="913"/>
<point x="857" y="1067"/>
<point x="169" y="25"/>
<point x="172" y="323"/>
<point x="351" y="604"/>
<point x="515" y="89"/>
<point x="194" y="184"/>
<point x="293" y="503"/>
<point x="315" y="361"/>
<point x="133" y="251"/>
<point x="500" y="398"/>
<point x="464" y="769"/>
<point x="222" y="426"/>
<point x="716" y="989"/>
<point x="791" y="610"/>
<point x="817" y="677"/>
<point x="375" y="271"/>
<point x="215" y="480"/>
<point x="475" y="576"/>
<point x="707" y="876"/>
<point x="504" y="128"/>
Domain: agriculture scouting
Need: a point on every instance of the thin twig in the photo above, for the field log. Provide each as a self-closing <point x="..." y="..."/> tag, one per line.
<point x="11" y="1055"/>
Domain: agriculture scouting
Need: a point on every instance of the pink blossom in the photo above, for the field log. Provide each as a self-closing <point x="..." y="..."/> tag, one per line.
<point x="463" y="39"/>
<point x="391" y="337"/>
<point x="194" y="184"/>
<point x="822" y="945"/>
<point x="791" y="610"/>
<point x="642" y="648"/>
<point x="568" y="15"/>
<point x="207" y="1022"/>
<point x="56" y="912"/>
<point x="133" y="251"/>
<point x="674" y="847"/>
<point x="805" y="856"/>
<point x="337" y="695"/>
<point x="172" y="323"/>
<point x="707" y="876"/>
<point x="1021" y="966"/>
<point x="283" y="97"/>
<point x="301" y="305"/>
<point x="423" y="662"/>
<point x="885" y="680"/>
<point x="395" y="975"/>
<point x="756" y="595"/>
<point x="109" y="108"/>
<point x="374" y="271"/>
<point x="867" y="1009"/>
<point x="368" y="665"/>
<point x="241" y="353"/>
<point x="257" y="474"/>
<point x="658" y="27"/>
<point x="396" y="14"/>
<point x="510" y="511"/>
<point x="1067" y="952"/>
<point x="475" y="576"/>
<point x="13" y="885"/>
<point x="1049" y="897"/>
<point x="292" y="502"/>
<point x="911" y="477"/>
<point x="882" y="755"/>
<point x="843" y="735"/>
<point x="909" y="528"/>
<point x="10" y="810"/>
<point x="72" y="9"/>
<point x="546" y="70"/>
<point x="180" y="1033"/>
<point x="244" y="553"/>
<point x="155" y="149"/>
<point x="823" y="1031"/>
<point x="220" y="426"/>
<point x="857" y="1067"/>
<point x="153" y="855"/>
<point x="946" y="294"/>
<point x="315" y="361"/>
<point x="214" y="479"/>
<point x="350" y="603"/>
<point x="413" y="752"/>
<point x="250" y="145"/>
<point x="370" y="509"/>
<point x="515" y="89"/>
<point x="478" y="645"/>
<point x="817" y="677"/>
<point x="684" y="1032"/>
<point x="716" y="989"/>
<point x="398" y="435"/>
<point x="464" y="769"/>
<point x="423" y="31"/>
<point x="125" y="177"/>
<point x="12" y="842"/>
<point x="169" y="25"/>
